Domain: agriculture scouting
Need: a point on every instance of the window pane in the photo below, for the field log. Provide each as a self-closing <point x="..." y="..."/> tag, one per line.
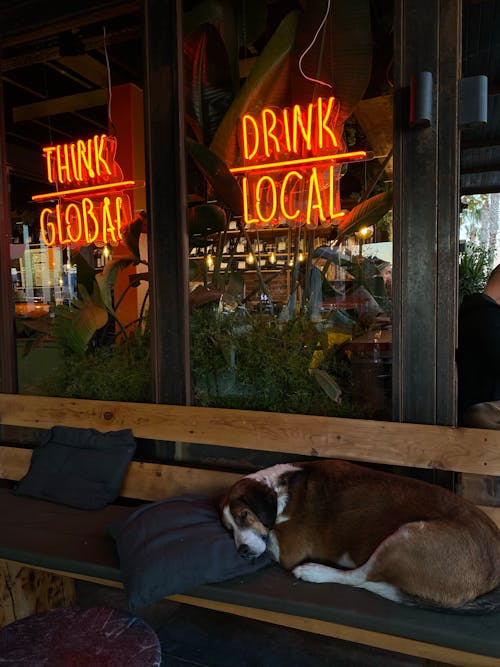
<point x="74" y="133"/>
<point x="290" y="177"/>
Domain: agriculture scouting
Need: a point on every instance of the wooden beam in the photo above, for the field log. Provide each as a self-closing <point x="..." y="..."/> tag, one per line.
<point x="391" y="443"/>
<point x="24" y="22"/>
<point x="442" y="654"/>
<point x="381" y="640"/>
<point x="85" y="67"/>
<point x="66" y="104"/>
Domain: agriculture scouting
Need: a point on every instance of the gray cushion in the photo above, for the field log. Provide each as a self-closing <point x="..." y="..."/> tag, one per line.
<point x="79" y="467"/>
<point x="173" y="545"/>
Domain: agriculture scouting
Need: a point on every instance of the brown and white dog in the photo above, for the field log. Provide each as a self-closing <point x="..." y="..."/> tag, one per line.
<point x="404" y="539"/>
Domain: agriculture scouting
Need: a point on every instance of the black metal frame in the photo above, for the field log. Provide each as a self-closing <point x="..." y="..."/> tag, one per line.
<point x="427" y="37"/>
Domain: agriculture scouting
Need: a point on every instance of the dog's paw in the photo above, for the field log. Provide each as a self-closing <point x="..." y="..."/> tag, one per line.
<point x="313" y="572"/>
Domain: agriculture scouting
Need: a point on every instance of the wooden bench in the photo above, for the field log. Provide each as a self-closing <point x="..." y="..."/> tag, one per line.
<point x="213" y="447"/>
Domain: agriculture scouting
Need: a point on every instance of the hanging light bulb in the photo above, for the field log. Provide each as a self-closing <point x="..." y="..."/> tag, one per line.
<point x="210" y="262"/>
<point x="272" y="258"/>
<point x="300" y="257"/>
<point x="250" y="259"/>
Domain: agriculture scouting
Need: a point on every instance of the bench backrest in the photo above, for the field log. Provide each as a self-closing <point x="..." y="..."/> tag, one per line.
<point x="391" y="443"/>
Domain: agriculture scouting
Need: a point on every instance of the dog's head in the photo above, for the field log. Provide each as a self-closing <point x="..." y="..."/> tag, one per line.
<point x="249" y="512"/>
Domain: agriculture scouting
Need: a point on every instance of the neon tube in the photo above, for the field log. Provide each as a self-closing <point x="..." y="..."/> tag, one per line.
<point x="339" y="157"/>
<point x="106" y="187"/>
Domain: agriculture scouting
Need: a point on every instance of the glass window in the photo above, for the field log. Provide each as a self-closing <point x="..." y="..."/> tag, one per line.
<point x="75" y="150"/>
<point x="289" y="123"/>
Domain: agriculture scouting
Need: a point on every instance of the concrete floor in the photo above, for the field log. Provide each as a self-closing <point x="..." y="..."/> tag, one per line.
<point x="193" y="637"/>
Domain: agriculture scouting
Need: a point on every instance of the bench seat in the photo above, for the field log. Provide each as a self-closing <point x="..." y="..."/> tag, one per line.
<point x="75" y="542"/>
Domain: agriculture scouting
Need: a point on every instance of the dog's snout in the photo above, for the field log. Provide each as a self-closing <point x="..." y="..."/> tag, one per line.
<point x="244" y="551"/>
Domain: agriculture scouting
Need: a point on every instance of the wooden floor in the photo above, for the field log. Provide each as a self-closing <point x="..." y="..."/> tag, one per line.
<point x="193" y="637"/>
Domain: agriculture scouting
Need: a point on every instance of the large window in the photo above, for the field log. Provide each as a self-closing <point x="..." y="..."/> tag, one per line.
<point x="290" y="131"/>
<point x="75" y="151"/>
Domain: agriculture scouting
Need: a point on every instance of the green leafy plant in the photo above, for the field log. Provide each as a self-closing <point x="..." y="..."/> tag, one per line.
<point x="475" y="264"/>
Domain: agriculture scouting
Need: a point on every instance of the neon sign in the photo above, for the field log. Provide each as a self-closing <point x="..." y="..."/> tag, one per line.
<point x="292" y="165"/>
<point x="91" y="203"/>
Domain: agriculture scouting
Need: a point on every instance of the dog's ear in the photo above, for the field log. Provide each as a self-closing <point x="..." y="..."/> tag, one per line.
<point x="263" y="502"/>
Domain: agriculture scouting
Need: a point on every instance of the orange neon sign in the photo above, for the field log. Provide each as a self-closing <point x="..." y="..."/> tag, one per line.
<point x="91" y="203"/>
<point x="292" y="159"/>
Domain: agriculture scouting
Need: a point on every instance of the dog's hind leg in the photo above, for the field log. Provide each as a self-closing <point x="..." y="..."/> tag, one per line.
<point x="368" y="575"/>
<point x="321" y="574"/>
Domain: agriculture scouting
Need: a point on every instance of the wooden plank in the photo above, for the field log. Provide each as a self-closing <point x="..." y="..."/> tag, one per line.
<point x="153" y="481"/>
<point x="492" y="512"/>
<point x="24" y="592"/>
<point x="392" y="443"/>
<point x="14" y="462"/>
<point x="146" y="481"/>
<point x="347" y="633"/>
<point x="67" y="104"/>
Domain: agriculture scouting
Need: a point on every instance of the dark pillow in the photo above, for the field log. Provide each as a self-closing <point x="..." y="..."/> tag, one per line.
<point x="171" y="546"/>
<point x="80" y="467"/>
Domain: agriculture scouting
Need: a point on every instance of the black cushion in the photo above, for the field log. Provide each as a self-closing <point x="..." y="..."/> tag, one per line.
<point x="170" y="546"/>
<point x="78" y="467"/>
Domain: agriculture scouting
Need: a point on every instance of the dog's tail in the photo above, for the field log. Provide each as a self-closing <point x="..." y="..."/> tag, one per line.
<point x="489" y="603"/>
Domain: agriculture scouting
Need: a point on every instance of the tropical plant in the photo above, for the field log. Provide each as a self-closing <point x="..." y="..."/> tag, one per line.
<point x="474" y="267"/>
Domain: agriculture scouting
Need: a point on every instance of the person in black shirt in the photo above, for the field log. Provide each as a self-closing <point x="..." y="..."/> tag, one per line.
<point x="478" y="353"/>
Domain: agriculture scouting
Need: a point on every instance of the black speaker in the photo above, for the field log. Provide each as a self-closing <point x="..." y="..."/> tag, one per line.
<point x="421" y="99"/>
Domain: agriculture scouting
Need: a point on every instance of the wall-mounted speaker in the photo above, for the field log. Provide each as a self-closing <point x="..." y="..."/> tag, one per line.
<point x="421" y="99"/>
<point x="473" y="101"/>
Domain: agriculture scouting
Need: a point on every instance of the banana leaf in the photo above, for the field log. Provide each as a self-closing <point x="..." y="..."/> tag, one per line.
<point x="266" y="85"/>
<point x="341" y="55"/>
<point x="205" y="219"/>
<point x="328" y="383"/>
<point x="365" y="214"/>
<point x="75" y="326"/>
<point x="106" y="281"/>
<point x="132" y="235"/>
<point x="237" y="24"/>
<point x="208" y="86"/>
<point x="224" y="184"/>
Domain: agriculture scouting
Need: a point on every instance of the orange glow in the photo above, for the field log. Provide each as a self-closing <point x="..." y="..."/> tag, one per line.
<point x="67" y="194"/>
<point x="310" y="161"/>
<point x="300" y="198"/>
<point x="247" y="153"/>
<point x="292" y="171"/>
<point x="84" y="222"/>
<point x="274" y="132"/>
<point x="305" y="128"/>
<point x="283" y="199"/>
<point x="97" y="209"/>
<point x="314" y="192"/>
<point x="81" y="160"/>
<point x="268" y="130"/>
<point x="268" y="186"/>
<point x="323" y="122"/>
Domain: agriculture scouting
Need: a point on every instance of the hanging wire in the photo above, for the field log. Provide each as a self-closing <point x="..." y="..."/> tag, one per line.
<point x="320" y="28"/>
<point x="111" y="125"/>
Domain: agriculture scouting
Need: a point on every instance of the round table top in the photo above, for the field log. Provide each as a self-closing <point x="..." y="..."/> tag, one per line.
<point x="80" y="637"/>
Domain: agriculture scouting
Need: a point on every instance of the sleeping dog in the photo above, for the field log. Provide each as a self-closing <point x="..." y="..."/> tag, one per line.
<point x="404" y="539"/>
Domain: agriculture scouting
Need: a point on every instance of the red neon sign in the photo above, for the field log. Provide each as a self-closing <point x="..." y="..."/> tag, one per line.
<point x="292" y="165"/>
<point x="92" y="205"/>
